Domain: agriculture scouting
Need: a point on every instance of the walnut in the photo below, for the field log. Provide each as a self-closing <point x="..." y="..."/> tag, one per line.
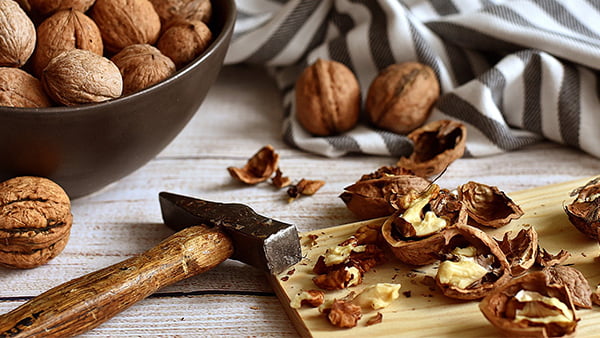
<point x="65" y="30"/>
<point x="79" y="76"/>
<point x="400" y="98"/>
<point x="472" y="264"/>
<point x="343" y="314"/>
<point x="312" y="298"/>
<point x="168" y="10"/>
<point x="573" y="280"/>
<point x="531" y="306"/>
<point x="520" y="250"/>
<point x="185" y="40"/>
<point x="382" y="192"/>
<point x="584" y="211"/>
<point x="436" y="145"/>
<point x="35" y="221"/>
<point x="20" y="89"/>
<point x="17" y="35"/>
<point x="327" y="98"/>
<point x="126" y="22"/>
<point x="340" y="278"/>
<point x="304" y="187"/>
<point x="142" y="66"/>
<point x="48" y="7"/>
<point x="258" y="168"/>
<point x="487" y="205"/>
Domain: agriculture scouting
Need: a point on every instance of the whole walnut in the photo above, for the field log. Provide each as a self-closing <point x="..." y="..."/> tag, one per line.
<point x="184" y="40"/>
<point x="400" y="98"/>
<point x="65" y="30"/>
<point x="141" y="66"/>
<point x="20" y="89"/>
<point x="35" y="221"/>
<point x="126" y="22"/>
<point x="17" y="35"/>
<point x="167" y="10"/>
<point x="79" y="76"/>
<point x="327" y="98"/>
<point x="45" y="8"/>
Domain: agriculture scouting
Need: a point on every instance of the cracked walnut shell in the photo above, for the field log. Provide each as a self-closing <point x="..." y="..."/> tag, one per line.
<point x="436" y="145"/>
<point x="126" y="22"/>
<point x="584" y="211"/>
<point x="79" y="76"/>
<point x="65" y="30"/>
<point x="142" y="66"/>
<point x="400" y="98"/>
<point x="35" y="221"/>
<point x="17" y="35"/>
<point x="487" y="205"/>
<point x="327" y="98"/>
<point x="258" y="168"/>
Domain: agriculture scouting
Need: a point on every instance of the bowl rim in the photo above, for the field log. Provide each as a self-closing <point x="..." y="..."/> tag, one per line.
<point x="64" y="111"/>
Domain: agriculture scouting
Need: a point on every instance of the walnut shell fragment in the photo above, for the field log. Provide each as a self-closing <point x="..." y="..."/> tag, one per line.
<point x="520" y="249"/>
<point x="20" y="89"/>
<point x="258" y="168"/>
<point x="530" y="306"/>
<point x="436" y="145"/>
<point x="573" y="280"/>
<point x="487" y="205"/>
<point x="382" y="192"/>
<point x="17" y="35"/>
<point x="35" y="221"/>
<point x="304" y="187"/>
<point x="472" y="264"/>
<point x="584" y="211"/>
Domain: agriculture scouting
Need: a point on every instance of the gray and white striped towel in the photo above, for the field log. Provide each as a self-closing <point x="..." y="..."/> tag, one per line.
<point x="514" y="71"/>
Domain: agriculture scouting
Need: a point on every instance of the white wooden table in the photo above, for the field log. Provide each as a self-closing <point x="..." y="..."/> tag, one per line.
<point x="241" y="114"/>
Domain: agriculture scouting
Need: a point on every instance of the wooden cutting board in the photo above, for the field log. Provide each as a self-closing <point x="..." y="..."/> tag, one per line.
<point x="421" y="310"/>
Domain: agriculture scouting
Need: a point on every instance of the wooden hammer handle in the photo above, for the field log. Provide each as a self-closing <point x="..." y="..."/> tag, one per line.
<point x="86" y="302"/>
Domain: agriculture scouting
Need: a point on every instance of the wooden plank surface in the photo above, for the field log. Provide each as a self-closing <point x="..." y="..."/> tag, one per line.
<point x="242" y="112"/>
<point x="427" y="312"/>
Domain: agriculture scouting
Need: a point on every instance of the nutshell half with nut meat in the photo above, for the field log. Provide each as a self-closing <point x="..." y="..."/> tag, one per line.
<point x="35" y="221"/>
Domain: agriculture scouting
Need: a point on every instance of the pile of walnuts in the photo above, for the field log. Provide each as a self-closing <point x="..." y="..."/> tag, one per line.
<point x="71" y="52"/>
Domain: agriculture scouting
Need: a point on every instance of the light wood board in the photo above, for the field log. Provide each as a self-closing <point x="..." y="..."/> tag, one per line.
<point x="426" y="312"/>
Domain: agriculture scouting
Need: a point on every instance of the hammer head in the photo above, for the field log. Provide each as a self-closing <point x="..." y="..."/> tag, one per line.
<point x="262" y="242"/>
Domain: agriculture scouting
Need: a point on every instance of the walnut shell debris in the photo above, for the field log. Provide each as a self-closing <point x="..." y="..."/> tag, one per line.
<point x="528" y="306"/>
<point x="401" y="96"/>
<point x="35" y="221"/>
<point x="472" y="264"/>
<point x="327" y="98"/>
<point x="126" y="22"/>
<point x="436" y="145"/>
<point x="142" y="66"/>
<point x="520" y="250"/>
<point x="382" y="192"/>
<point x="487" y="205"/>
<point x="45" y="8"/>
<point x="184" y="41"/>
<point x="17" y="35"/>
<point x="65" y="30"/>
<point x="169" y="10"/>
<point x="573" y="280"/>
<point x="79" y="76"/>
<point x="584" y="211"/>
<point x="258" y="168"/>
<point x="20" y="89"/>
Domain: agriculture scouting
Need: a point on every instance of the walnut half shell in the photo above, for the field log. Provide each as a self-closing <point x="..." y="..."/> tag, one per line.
<point x="584" y="211"/>
<point x="487" y="205"/>
<point x="530" y="306"/>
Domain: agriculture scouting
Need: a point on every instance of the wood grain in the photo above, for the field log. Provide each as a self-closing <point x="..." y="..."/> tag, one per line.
<point x="427" y="312"/>
<point x="242" y="112"/>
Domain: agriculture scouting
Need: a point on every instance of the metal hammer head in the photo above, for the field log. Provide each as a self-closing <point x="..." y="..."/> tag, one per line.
<point x="262" y="242"/>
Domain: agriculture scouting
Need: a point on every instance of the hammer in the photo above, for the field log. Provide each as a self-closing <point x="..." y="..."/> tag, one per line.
<point x="207" y="234"/>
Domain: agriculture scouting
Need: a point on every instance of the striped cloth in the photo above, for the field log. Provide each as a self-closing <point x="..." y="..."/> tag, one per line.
<point x="514" y="71"/>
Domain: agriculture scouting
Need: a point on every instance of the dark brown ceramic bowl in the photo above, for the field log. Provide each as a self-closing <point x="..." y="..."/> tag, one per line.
<point x="85" y="148"/>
